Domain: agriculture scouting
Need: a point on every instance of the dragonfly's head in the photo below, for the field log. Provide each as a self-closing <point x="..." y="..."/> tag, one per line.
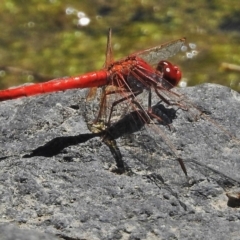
<point x="170" y="72"/>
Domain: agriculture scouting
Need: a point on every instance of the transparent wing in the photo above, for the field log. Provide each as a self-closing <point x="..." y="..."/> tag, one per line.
<point x="161" y="52"/>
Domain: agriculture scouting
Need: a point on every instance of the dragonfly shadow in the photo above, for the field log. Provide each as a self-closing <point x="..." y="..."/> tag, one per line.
<point x="56" y="145"/>
<point x="130" y="123"/>
<point x="136" y="120"/>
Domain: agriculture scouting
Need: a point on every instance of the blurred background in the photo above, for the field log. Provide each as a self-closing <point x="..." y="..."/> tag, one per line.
<point x="42" y="40"/>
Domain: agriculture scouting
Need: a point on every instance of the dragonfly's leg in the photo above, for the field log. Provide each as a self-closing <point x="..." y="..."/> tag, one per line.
<point x="104" y="95"/>
<point x="131" y="96"/>
<point x="180" y="161"/>
<point x="152" y="114"/>
<point x="147" y="114"/>
<point x="150" y="100"/>
<point x="172" y="103"/>
<point x="164" y="99"/>
<point x="143" y="114"/>
<point x="103" y="102"/>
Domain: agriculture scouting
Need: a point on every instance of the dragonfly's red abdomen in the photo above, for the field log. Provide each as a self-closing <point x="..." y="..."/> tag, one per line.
<point x="88" y="80"/>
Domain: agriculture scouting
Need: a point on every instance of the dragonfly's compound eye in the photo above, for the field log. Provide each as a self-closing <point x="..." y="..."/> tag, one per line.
<point x="170" y="72"/>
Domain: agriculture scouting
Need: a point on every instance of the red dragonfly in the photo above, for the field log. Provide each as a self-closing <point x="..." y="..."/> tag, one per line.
<point x="129" y="76"/>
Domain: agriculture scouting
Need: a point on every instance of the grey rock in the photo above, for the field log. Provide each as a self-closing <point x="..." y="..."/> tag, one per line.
<point x="55" y="174"/>
<point x="13" y="232"/>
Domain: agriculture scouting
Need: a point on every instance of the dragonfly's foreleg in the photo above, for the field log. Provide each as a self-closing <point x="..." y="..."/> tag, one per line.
<point x="151" y="114"/>
<point x="171" y="103"/>
<point x="130" y="96"/>
<point x="150" y="111"/>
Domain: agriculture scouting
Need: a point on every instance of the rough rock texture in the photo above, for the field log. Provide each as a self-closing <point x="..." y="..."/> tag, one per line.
<point x="56" y="183"/>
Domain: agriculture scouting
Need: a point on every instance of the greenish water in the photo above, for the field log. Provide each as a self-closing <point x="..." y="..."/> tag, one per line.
<point x="54" y="38"/>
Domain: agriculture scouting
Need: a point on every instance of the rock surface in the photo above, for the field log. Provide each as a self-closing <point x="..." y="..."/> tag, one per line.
<point x="56" y="183"/>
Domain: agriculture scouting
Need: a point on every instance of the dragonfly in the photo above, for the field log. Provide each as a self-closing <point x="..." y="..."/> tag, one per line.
<point x="129" y="77"/>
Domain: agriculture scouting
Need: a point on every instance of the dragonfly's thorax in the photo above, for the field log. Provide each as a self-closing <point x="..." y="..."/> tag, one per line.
<point x="132" y="74"/>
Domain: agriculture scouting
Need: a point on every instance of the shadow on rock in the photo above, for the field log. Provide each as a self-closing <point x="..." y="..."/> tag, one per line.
<point x="129" y="124"/>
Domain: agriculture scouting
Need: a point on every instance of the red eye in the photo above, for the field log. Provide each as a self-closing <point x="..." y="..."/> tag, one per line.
<point x="170" y="72"/>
